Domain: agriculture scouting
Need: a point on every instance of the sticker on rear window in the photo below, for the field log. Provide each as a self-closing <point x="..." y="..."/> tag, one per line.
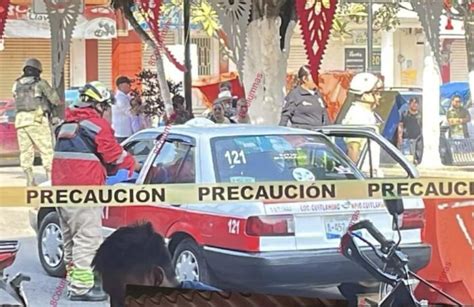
<point x="235" y="157"/>
<point x="303" y="174"/>
<point x="241" y="179"/>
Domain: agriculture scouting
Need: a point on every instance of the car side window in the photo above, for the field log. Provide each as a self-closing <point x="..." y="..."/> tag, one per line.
<point x="174" y="164"/>
<point x="373" y="160"/>
<point x="140" y="149"/>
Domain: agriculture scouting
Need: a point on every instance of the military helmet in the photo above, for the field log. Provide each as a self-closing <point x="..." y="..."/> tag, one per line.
<point x="35" y="63"/>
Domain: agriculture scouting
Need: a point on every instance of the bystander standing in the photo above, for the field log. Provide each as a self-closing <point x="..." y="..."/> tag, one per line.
<point x="242" y="113"/>
<point x="140" y="120"/>
<point x="181" y="114"/>
<point x="410" y="132"/>
<point x="218" y="114"/>
<point x="304" y="107"/>
<point x="458" y="117"/>
<point x="121" y="110"/>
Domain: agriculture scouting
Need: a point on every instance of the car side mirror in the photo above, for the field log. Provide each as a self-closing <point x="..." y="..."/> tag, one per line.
<point x="394" y="206"/>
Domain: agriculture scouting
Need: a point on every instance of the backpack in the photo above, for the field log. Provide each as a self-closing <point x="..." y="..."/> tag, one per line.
<point x="25" y="96"/>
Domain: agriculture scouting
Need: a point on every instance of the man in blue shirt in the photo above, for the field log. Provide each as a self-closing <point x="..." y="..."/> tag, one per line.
<point x="137" y="255"/>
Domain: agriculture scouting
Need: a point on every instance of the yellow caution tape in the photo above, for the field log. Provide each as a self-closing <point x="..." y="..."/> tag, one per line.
<point x="126" y="195"/>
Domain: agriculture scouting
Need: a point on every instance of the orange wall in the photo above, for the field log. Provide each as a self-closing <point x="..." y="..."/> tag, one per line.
<point x="126" y="56"/>
<point x="92" y="60"/>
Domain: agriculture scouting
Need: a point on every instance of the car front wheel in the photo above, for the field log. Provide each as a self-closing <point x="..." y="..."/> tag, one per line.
<point x="50" y="245"/>
<point x="189" y="263"/>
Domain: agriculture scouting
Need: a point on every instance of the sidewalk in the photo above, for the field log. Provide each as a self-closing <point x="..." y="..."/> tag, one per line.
<point x="458" y="172"/>
<point x="14" y="222"/>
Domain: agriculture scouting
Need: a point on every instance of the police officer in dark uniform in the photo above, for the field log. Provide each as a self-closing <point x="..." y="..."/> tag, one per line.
<point x="304" y="107"/>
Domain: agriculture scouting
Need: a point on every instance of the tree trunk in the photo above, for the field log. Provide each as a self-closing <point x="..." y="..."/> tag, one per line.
<point x="160" y="70"/>
<point x="431" y="98"/>
<point x="469" y="34"/>
<point x="264" y="55"/>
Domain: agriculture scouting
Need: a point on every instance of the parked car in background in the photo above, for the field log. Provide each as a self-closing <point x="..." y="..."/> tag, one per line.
<point x="6" y="104"/>
<point x="9" y="150"/>
<point x="277" y="247"/>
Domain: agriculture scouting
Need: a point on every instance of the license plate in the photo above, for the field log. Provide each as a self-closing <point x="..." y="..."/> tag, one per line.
<point x="336" y="227"/>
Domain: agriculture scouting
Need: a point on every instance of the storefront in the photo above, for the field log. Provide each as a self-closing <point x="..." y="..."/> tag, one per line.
<point x="28" y="35"/>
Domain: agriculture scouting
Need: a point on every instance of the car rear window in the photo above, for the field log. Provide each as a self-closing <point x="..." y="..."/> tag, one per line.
<point x="278" y="158"/>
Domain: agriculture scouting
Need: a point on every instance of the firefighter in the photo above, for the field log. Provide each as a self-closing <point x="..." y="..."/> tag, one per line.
<point x="34" y="98"/>
<point x="86" y="152"/>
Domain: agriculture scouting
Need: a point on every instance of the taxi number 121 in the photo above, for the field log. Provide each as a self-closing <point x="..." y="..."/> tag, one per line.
<point x="234" y="226"/>
<point x="235" y="157"/>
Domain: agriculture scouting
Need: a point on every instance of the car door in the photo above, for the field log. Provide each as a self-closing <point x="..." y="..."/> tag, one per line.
<point x="378" y="158"/>
<point x="140" y="147"/>
<point x="174" y="163"/>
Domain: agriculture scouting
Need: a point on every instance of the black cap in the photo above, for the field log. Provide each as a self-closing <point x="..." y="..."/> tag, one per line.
<point x="122" y="79"/>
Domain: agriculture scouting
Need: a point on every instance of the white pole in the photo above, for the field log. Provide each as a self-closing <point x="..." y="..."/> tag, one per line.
<point x="388" y="56"/>
<point x="430" y="111"/>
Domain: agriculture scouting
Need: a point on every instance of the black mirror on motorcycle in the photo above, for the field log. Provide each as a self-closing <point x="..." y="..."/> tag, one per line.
<point x="394" y="206"/>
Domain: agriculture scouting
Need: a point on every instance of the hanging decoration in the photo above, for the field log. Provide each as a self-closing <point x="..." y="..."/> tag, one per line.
<point x="447" y="7"/>
<point x="234" y="16"/>
<point x="62" y="16"/>
<point x="429" y="12"/>
<point x="316" y="18"/>
<point x="150" y="9"/>
<point x="3" y="15"/>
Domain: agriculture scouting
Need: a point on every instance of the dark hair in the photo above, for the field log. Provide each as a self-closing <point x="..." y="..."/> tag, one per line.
<point x="123" y="79"/>
<point x="30" y="71"/>
<point x="226" y="85"/>
<point x="177" y="99"/>
<point x="133" y="250"/>
<point x="456" y="96"/>
<point x="303" y="72"/>
<point x="412" y="100"/>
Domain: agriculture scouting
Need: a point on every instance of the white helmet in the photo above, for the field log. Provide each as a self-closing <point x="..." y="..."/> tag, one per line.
<point x="364" y="83"/>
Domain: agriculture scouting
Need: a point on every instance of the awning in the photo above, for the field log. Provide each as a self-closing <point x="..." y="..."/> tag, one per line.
<point x="95" y="23"/>
<point x="209" y="86"/>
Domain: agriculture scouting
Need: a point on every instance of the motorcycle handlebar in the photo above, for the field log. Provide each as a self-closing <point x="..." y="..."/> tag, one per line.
<point x="366" y="224"/>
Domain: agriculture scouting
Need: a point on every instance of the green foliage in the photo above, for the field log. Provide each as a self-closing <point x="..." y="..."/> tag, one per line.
<point x="151" y="94"/>
<point x="385" y="18"/>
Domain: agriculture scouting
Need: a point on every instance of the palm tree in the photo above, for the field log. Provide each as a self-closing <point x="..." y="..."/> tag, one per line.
<point x="126" y="7"/>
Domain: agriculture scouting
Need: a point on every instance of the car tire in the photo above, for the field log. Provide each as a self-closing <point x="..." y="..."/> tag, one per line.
<point x="189" y="253"/>
<point x="50" y="245"/>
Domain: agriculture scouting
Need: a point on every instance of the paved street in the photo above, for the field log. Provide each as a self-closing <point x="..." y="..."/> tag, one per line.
<point x="14" y="224"/>
<point x="40" y="290"/>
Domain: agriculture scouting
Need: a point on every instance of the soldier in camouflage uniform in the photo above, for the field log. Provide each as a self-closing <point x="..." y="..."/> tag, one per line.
<point x="34" y="101"/>
<point x="458" y="117"/>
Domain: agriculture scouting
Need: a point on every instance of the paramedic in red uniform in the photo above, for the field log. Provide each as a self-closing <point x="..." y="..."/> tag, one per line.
<point x="86" y="152"/>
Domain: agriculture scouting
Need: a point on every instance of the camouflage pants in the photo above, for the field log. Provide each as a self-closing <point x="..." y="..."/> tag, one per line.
<point x="38" y="135"/>
<point x="82" y="236"/>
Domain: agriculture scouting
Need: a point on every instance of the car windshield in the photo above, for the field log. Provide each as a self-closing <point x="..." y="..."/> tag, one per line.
<point x="278" y="158"/>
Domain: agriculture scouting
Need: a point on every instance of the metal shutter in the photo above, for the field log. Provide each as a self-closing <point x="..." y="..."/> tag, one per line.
<point x="169" y="39"/>
<point x="12" y="58"/>
<point x="104" y="55"/>
<point x="297" y="57"/>
<point x="458" y="65"/>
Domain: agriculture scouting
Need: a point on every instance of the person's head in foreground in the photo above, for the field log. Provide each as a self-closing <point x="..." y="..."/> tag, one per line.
<point x="134" y="255"/>
<point x="367" y="88"/>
